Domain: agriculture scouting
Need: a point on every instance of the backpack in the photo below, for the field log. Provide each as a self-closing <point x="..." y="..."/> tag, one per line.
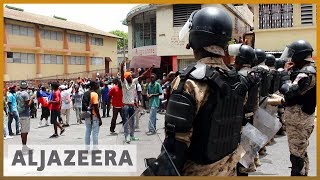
<point x="20" y="103"/>
<point x="86" y="105"/>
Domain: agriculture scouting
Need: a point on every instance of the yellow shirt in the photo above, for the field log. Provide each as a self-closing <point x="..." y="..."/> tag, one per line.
<point x="94" y="99"/>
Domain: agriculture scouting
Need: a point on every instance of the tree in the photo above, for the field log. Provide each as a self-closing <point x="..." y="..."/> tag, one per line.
<point x="121" y="42"/>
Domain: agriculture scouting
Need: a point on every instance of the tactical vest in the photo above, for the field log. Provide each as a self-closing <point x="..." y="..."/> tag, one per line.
<point x="253" y="91"/>
<point x="275" y="81"/>
<point x="308" y="100"/>
<point x="265" y="81"/>
<point x="217" y="126"/>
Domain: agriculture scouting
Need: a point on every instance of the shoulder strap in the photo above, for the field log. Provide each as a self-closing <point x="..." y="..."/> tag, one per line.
<point x="184" y="76"/>
<point x="213" y="75"/>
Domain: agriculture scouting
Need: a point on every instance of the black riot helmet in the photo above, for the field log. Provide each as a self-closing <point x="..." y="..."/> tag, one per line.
<point x="279" y="63"/>
<point x="261" y="56"/>
<point x="298" y="51"/>
<point x="270" y="60"/>
<point x="210" y="26"/>
<point x="246" y="55"/>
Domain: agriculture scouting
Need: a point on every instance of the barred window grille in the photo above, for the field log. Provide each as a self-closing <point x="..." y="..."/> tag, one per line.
<point x="23" y="58"/>
<point x="182" y="12"/>
<point x="97" y="61"/>
<point x="306" y="14"/>
<point x="275" y="16"/>
<point x="77" y="60"/>
<point x="20" y="30"/>
<point x="94" y="41"/>
<point x="51" y="59"/>
<point x="144" y="29"/>
<point x="52" y="35"/>
<point x="75" y="38"/>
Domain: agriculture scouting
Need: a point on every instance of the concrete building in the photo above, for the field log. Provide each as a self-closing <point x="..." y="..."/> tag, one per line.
<point x="153" y="33"/>
<point x="37" y="46"/>
<point x="277" y="25"/>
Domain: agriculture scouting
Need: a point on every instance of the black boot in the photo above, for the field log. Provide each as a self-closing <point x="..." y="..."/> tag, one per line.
<point x="297" y="165"/>
<point x="281" y="131"/>
<point x="239" y="172"/>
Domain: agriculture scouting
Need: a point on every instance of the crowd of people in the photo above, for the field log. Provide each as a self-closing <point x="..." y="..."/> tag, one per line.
<point x="145" y="94"/>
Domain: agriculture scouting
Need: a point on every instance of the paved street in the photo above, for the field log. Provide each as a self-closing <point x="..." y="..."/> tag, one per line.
<point x="275" y="163"/>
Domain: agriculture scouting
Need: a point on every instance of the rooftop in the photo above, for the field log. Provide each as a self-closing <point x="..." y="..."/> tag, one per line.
<point x="53" y="22"/>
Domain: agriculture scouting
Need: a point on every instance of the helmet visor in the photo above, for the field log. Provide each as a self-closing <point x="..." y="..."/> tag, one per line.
<point x="234" y="49"/>
<point x="187" y="26"/>
<point x="287" y="54"/>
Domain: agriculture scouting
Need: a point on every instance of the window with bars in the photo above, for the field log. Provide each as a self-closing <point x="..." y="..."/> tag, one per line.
<point x="22" y="58"/>
<point x="182" y="12"/>
<point x="20" y="30"/>
<point x="52" y="35"/>
<point x="96" y="41"/>
<point x="51" y="59"/>
<point x="275" y="16"/>
<point x="76" y="38"/>
<point x="144" y="29"/>
<point x="306" y="14"/>
<point x="97" y="61"/>
<point x="77" y="60"/>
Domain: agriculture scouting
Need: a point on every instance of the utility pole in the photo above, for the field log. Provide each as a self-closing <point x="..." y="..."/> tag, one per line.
<point x="124" y="54"/>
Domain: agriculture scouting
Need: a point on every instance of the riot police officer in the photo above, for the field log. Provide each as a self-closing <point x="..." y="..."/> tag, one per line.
<point x="243" y="61"/>
<point x="264" y="71"/>
<point x="283" y="75"/>
<point x="300" y="102"/>
<point x="265" y="80"/>
<point x="276" y="76"/>
<point x="279" y="64"/>
<point x="204" y="113"/>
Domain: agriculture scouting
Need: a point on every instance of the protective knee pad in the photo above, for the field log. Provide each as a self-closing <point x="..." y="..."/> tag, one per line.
<point x="297" y="165"/>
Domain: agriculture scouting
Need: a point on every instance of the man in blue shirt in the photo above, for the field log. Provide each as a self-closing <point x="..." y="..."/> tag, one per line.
<point x="154" y="91"/>
<point x="105" y="106"/>
<point x="24" y="102"/>
<point x="12" y="110"/>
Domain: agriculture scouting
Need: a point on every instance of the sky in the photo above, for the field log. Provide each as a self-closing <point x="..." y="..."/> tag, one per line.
<point x="106" y="17"/>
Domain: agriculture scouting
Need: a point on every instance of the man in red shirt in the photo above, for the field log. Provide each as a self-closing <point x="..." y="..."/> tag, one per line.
<point x="115" y="95"/>
<point x="55" y="104"/>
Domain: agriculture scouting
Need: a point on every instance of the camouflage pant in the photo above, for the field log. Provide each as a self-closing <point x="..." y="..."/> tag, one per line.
<point x="299" y="127"/>
<point x="223" y="167"/>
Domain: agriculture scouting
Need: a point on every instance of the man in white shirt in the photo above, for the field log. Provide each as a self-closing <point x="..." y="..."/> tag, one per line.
<point x="66" y="104"/>
<point x="129" y="89"/>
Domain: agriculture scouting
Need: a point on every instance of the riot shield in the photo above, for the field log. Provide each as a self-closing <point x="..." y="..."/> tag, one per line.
<point x="152" y="157"/>
<point x="252" y="140"/>
<point x="266" y="121"/>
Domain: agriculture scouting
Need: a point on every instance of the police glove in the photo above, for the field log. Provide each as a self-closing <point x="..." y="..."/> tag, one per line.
<point x="284" y="89"/>
<point x="162" y="166"/>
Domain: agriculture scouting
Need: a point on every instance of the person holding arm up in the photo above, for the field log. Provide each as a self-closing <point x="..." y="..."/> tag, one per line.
<point x="128" y="85"/>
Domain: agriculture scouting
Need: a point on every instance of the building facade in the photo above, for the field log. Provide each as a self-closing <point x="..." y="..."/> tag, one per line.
<point x="277" y="25"/>
<point x="153" y="33"/>
<point x="37" y="46"/>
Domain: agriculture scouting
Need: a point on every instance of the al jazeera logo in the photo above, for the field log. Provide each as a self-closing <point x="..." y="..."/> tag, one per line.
<point x="72" y="158"/>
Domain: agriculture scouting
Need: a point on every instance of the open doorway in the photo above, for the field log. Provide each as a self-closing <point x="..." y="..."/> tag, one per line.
<point x="107" y="60"/>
